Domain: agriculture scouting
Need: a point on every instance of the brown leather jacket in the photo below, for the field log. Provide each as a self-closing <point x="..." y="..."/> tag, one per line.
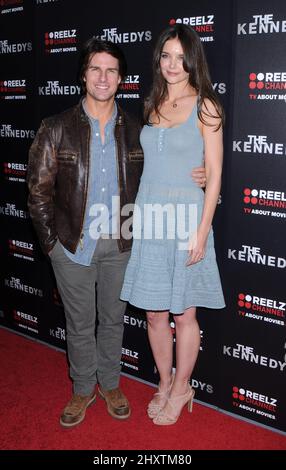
<point x="58" y="175"/>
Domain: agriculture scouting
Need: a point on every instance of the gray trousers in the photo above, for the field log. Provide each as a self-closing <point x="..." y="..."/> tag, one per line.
<point x="91" y="293"/>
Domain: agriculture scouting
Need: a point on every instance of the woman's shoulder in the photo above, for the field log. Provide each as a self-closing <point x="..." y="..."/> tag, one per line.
<point x="211" y="114"/>
<point x="209" y="107"/>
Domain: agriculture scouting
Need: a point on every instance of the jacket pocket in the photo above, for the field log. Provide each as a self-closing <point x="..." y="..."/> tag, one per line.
<point x="67" y="157"/>
<point x="136" y="156"/>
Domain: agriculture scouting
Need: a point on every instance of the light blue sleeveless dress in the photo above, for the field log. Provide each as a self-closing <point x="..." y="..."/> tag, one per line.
<point x="157" y="277"/>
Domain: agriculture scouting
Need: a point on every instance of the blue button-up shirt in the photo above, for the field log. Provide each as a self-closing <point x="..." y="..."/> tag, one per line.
<point x="101" y="212"/>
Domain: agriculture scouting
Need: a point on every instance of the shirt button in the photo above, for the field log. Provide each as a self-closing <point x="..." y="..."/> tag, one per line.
<point x="103" y="189"/>
<point x="103" y="170"/>
<point x="97" y="134"/>
<point x="103" y="151"/>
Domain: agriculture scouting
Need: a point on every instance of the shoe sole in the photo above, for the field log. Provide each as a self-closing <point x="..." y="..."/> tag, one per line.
<point x="71" y="425"/>
<point x="110" y="410"/>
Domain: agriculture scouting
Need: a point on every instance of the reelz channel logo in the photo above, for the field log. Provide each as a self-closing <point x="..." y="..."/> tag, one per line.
<point x="201" y="24"/>
<point x="254" y="402"/>
<point x="131" y="82"/>
<point x="261" y="309"/>
<point x="15" y="172"/>
<point x="273" y="84"/>
<point x="130" y="359"/>
<point x="13" y="89"/>
<point x="128" y="86"/>
<point x="15" y="6"/>
<point x="61" y="41"/>
<point x="264" y="202"/>
<point x="26" y="321"/>
<point x="20" y="249"/>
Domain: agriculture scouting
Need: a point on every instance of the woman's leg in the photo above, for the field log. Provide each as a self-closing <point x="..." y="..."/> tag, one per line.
<point x="187" y="349"/>
<point x="161" y="341"/>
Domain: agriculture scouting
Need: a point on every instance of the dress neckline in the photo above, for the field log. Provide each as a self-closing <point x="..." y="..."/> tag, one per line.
<point x="181" y="123"/>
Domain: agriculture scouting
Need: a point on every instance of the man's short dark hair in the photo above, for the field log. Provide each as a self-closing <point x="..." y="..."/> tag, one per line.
<point x="93" y="46"/>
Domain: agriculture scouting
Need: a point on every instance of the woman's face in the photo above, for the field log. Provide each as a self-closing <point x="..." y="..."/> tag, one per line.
<point x="171" y="62"/>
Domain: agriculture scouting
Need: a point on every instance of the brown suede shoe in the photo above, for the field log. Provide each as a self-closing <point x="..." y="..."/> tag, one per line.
<point x="74" y="412"/>
<point x="117" y="403"/>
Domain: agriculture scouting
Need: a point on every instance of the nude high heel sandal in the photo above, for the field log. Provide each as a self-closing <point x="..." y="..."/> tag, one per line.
<point x="177" y="403"/>
<point x="154" y="408"/>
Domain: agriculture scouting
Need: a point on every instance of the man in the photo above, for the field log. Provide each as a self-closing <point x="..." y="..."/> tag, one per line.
<point x="81" y="161"/>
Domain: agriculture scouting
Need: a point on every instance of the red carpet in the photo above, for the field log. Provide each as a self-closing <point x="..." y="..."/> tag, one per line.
<point x="35" y="387"/>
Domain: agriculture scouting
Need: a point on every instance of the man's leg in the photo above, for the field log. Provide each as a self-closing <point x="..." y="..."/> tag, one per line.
<point x="111" y="270"/>
<point x="76" y="285"/>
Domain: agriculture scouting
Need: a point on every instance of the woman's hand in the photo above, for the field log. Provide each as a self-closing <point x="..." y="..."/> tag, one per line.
<point x="197" y="249"/>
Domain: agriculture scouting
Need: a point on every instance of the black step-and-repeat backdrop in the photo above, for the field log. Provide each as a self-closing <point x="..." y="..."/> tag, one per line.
<point x="242" y="361"/>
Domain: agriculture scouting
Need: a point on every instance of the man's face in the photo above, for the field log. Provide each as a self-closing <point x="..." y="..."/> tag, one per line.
<point x="102" y="77"/>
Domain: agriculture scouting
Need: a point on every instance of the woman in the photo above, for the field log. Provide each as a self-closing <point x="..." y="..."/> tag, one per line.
<point x="183" y="125"/>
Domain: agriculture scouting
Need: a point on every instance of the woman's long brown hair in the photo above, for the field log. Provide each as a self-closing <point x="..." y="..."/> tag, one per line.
<point x="194" y="64"/>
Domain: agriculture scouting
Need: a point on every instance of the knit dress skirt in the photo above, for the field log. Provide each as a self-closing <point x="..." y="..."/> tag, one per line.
<point x="167" y="212"/>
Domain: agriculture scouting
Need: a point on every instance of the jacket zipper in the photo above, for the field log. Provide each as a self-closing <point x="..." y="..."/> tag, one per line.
<point x="80" y="242"/>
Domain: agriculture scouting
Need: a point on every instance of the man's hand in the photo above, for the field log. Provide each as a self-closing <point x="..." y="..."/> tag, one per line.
<point x="199" y="176"/>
